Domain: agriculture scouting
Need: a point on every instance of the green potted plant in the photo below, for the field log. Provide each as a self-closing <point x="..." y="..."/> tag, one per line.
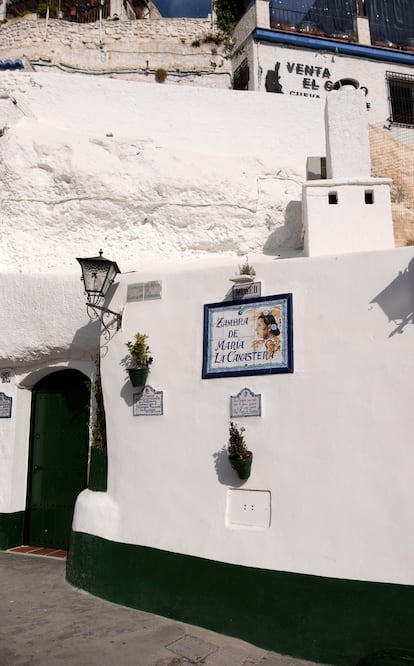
<point x="98" y="464"/>
<point x="239" y="455"/>
<point x="140" y="358"/>
<point x="246" y="273"/>
<point x="247" y="269"/>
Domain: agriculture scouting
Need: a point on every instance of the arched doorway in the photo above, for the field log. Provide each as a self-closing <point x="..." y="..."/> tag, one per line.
<point x="58" y="460"/>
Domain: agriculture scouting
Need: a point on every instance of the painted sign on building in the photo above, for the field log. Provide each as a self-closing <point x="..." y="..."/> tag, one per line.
<point x="248" y="337"/>
<point x="302" y="79"/>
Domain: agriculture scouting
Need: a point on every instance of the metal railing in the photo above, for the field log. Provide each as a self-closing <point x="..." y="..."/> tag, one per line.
<point x="315" y="19"/>
<point x="88" y="12"/>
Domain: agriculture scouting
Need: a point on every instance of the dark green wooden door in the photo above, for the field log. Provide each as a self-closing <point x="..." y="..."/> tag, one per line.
<point x="59" y="457"/>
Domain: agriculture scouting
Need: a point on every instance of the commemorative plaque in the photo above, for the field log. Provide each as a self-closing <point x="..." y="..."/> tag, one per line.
<point x="144" y="291"/>
<point x="5" y="406"/>
<point x="245" y="403"/>
<point x="148" y="403"/>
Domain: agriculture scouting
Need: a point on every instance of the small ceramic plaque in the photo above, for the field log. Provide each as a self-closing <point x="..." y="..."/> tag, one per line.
<point x="149" y="402"/>
<point x="5" y="406"/>
<point x="144" y="291"/>
<point x="245" y="403"/>
<point x="242" y="291"/>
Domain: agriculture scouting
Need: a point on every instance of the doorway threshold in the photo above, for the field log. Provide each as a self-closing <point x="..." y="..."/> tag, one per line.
<point x="40" y="551"/>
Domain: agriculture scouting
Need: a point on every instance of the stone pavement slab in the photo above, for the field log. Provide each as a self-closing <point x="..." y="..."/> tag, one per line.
<point x="44" y="621"/>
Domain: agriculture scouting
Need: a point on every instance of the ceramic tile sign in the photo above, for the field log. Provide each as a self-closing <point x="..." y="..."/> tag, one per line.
<point x="144" y="291"/>
<point x="245" y="403"/>
<point x="248" y="337"/>
<point x="148" y="403"/>
<point x="242" y="291"/>
<point x="5" y="406"/>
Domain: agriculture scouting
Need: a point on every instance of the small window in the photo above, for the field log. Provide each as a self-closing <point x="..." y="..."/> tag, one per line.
<point x="333" y="197"/>
<point x="401" y="96"/>
<point x="369" y="197"/>
<point x="241" y="77"/>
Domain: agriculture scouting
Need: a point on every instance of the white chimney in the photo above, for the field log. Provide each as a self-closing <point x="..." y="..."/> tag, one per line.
<point x="349" y="211"/>
<point x="346" y="128"/>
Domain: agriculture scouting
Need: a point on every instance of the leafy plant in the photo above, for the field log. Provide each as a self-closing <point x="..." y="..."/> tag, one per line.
<point x="247" y="269"/>
<point x="139" y="351"/>
<point x="229" y="12"/>
<point x="98" y="428"/>
<point x="236" y="446"/>
<point x="42" y="9"/>
<point x="213" y="39"/>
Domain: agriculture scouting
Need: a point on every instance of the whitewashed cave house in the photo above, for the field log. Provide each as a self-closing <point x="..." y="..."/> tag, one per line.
<point x="311" y="555"/>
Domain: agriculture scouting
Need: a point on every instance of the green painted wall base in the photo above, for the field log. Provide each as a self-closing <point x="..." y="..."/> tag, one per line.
<point x="326" y="620"/>
<point x="11" y="529"/>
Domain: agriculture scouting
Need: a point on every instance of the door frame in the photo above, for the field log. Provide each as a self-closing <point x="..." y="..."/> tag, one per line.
<point x="31" y="444"/>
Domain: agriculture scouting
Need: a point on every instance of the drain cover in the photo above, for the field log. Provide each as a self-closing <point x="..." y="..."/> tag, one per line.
<point x="192" y="648"/>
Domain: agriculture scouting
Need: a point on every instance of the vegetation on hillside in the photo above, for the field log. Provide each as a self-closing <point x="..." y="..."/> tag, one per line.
<point x="229" y="12"/>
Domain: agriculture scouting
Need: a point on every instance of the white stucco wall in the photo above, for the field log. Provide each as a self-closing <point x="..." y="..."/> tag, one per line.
<point x="332" y="447"/>
<point x="347" y="141"/>
<point x="333" y="444"/>
<point x="148" y="171"/>
<point x="44" y="327"/>
<point x="350" y="224"/>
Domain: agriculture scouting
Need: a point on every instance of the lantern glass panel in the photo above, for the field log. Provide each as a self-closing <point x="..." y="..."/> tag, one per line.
<point x="98" y="274"/>
<point x="94" y="275"/>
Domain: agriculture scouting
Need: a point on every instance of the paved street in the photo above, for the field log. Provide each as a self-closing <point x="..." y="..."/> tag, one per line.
<point x="44" y="621"/>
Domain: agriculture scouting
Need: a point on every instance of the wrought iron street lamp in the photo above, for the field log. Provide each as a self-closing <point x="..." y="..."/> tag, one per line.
<point x="98" y="274"/>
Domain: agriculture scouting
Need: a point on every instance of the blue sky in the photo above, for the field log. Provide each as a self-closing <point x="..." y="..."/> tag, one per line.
<point x="184" y="8"/>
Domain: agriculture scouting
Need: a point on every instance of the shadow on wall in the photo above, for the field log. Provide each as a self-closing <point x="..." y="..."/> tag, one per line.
<point x="86" y="338"/>
<point x="127" y="391"/>
<point x="289" y="235"/>
<point x="397" y="299"/>
<point x="225" y="473"/>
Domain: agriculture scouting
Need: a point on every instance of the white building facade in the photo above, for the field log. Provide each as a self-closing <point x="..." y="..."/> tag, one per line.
<point x="277" y="58"/>
<point x="311" y="555"/>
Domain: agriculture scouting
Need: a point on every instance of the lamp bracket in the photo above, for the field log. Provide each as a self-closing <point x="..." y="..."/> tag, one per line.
<point x="100" y="312"/>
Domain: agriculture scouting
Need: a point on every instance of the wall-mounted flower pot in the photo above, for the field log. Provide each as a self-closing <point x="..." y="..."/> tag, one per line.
<point x="138" y="376"/>
<point x="98" y="469"/>
<point x="242" y="465"/>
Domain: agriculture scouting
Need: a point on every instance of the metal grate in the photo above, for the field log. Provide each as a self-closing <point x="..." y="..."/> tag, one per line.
<point x="401" y="97"/>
